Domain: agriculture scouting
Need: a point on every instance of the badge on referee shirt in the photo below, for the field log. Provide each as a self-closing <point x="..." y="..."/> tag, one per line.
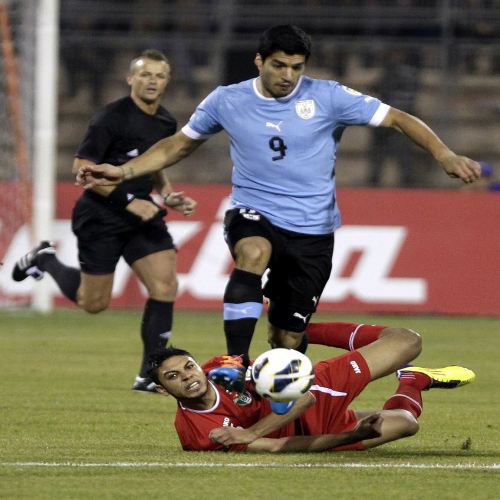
<point x="305" y="109"/>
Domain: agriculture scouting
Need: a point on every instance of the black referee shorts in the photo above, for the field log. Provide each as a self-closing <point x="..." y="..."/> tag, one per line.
<point x="299" y="268"/>
<point x="105" y="235"/>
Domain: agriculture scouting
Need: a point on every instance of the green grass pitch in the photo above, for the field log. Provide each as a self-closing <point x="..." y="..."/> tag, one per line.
<point x="70" y="427"/>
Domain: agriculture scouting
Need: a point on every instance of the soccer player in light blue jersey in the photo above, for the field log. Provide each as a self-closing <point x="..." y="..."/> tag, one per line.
<point x="284" y="128"/>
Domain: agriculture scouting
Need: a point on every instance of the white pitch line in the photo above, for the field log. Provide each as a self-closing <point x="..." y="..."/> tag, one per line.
<point x="165" y="465"/>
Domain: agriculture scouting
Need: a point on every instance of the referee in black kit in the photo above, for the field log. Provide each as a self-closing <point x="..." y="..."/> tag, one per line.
<point x="124" y="221"/>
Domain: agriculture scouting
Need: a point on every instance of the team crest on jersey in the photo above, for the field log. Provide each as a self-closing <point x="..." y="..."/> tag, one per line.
<point x="242" y="399"/>
<point x="305" y="109"/>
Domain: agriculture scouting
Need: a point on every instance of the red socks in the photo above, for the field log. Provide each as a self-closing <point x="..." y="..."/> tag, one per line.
<point x="349" y="336"/>
<point x="408" y="395"/>
<point x="419" y="380"/>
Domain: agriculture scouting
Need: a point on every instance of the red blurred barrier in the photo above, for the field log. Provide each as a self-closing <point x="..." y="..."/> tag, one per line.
<point x="398" y="251"/>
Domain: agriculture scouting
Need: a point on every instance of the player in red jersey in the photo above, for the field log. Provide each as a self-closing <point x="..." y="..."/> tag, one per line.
<point x="209" y="418"/>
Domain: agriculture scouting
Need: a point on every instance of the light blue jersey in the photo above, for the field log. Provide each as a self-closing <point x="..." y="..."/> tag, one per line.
<point x="283" y="150"/>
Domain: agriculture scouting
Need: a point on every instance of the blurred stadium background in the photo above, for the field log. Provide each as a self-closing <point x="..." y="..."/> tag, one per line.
<point x="442" y="57"/>
<point x="437" y="58"/>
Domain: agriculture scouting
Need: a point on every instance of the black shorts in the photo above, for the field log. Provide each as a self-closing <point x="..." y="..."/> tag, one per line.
<point x="104" y="235"/>
<point x="299" y="268"/>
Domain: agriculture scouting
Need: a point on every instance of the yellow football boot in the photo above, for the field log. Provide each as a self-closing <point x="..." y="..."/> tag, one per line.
<point x="442" y="378"/>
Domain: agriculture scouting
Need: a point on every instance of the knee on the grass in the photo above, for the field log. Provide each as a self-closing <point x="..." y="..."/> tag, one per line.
<point x="397" y="424"/>
<point x="408" y="424"/>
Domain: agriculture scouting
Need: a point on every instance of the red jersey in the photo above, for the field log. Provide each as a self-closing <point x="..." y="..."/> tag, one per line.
<point x="337" y="382"/>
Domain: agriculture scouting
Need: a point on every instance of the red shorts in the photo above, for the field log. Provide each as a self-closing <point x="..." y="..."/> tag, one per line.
<point x="337" y="383"/>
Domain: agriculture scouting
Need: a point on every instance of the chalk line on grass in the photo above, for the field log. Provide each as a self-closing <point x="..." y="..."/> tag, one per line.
<point x="275" y="465"/>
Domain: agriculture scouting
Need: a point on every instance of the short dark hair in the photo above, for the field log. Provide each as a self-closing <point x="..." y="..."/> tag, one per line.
<point x="153" y="54"/>
<point x="158" y="357"/>
<point x="287" y="38"/>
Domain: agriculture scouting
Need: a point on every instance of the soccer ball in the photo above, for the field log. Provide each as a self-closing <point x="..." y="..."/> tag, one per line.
<point x="282" y="374"/>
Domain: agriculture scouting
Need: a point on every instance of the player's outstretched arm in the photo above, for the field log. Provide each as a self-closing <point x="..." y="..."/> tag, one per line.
<point x="143" y="209"/>
<point x="233" y="435"/>
<point x="368" y="427"/>
<point x="163" y="154"/>
<point x="421" y="134"/>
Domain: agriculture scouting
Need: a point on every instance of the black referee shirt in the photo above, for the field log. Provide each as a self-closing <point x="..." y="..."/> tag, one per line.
<point x="121" y="131"/>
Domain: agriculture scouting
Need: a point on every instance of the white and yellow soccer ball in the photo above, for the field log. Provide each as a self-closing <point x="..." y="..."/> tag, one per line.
<point x="282" y="374"/>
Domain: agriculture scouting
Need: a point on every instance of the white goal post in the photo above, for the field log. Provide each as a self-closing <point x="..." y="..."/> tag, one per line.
<point x="29" y="33"/>
<point x="45" y="135"/>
